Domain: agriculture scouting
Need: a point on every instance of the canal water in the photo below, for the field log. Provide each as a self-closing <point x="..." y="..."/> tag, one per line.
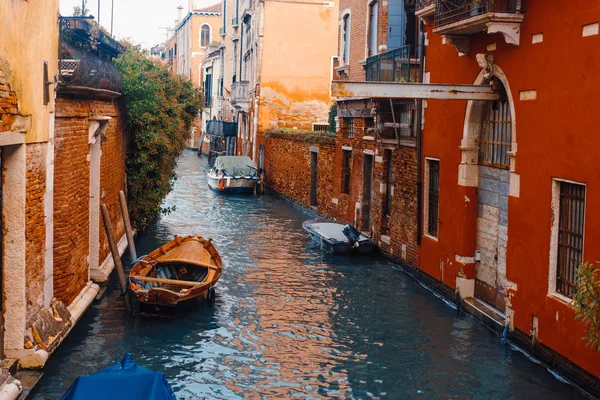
<point x="292" y="322"/>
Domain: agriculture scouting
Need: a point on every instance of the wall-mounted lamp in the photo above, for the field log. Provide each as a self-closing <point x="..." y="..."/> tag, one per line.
<point x="47" y="84"/>
<point x="478" y="256"/>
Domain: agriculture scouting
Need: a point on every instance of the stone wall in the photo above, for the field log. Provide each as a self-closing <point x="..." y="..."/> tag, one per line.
<point x="72" y="189"/>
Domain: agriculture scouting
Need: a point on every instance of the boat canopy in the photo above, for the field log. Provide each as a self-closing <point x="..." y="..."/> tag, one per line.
<point x="236" y="165"/>
<point x="126" y="380"/>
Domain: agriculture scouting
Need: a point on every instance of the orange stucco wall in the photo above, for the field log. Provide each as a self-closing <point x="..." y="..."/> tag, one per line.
<point x="557" y="138"/>
<point x="296" y="66"/>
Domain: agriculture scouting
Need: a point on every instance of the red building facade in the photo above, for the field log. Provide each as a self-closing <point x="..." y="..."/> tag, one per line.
<point x="517" y="186"/>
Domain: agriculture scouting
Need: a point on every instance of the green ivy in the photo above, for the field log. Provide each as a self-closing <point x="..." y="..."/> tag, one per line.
<point x="587" y="302"/>
<point x="159" y="110"/>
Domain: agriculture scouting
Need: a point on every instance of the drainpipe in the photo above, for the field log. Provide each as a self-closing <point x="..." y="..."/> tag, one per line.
<point x="419" y="142"/>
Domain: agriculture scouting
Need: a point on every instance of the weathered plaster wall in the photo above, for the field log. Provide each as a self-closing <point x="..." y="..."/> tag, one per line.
<point x="559" y="118"/>
<point x="296" y="69"/>
<point x="22" y="57"/>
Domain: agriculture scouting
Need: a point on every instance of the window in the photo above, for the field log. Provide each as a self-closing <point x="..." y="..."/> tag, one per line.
<point x="204" y="36"/>
<point x="235" y="61"/>
<point x="346" y="170"/>
<point x="320" y="127"/>
<point x="432" y="197"/>
<point x="373" y="13"/>
<point x="345" y="39"/>
<point x="208" y="88"/>
<point x="349" y="132"/>
<point x="387" y="205"/>
<point x="496" y="134"/>
<point x="568" y="231"/>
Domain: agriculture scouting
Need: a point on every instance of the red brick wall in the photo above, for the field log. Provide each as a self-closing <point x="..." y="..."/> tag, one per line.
<point x="287" y="162"/>
<point x="72" y="186"/>
<point x="35" y="231"/>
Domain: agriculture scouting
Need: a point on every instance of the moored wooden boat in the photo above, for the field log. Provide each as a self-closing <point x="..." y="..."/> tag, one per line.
<point x="181" y="270"/>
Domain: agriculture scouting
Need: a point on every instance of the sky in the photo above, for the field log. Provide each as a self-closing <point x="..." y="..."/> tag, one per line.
<point x="139" y="20"/>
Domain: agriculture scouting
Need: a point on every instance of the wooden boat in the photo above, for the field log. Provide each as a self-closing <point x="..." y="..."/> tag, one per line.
<point x="338" y="238"/>
<point x="233" y="174"/>
<point x="177" y="272"/>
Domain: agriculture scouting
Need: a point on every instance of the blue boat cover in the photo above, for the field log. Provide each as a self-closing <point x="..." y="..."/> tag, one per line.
<point x="126" y="380"/>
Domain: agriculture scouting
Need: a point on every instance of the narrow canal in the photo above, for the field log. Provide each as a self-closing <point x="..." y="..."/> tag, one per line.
<point x="290" y="321"/>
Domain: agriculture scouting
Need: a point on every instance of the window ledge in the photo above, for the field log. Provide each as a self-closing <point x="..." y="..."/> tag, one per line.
<point x="431" y="237"/>
<point x="562" y="298"/>
<point x="343" y="68"/>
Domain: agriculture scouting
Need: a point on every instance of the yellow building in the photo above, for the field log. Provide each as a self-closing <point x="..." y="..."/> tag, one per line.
<point x="28" y="65"/>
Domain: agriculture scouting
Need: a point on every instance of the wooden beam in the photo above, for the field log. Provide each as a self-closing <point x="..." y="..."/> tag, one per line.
<point x="401" y="90"/>
<point x="166" y="281"/>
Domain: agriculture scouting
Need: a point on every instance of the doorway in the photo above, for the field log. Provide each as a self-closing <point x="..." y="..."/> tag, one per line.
<point x="314" y="168"/>
<point x="367" y="191"/>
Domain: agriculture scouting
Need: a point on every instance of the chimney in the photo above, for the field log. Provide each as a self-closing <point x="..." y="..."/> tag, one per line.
<point x="190" y="5"/>
<point x="179" y="14"/>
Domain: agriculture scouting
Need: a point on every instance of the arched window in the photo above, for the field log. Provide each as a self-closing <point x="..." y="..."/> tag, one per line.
<point x="496" y="133"/>
<point x="204" y="36"/>
<point x="373" y="14"/>
<point x="346" y="39"/>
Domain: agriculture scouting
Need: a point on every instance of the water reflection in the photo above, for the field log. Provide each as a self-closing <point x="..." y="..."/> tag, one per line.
<point x="290" y="321"/>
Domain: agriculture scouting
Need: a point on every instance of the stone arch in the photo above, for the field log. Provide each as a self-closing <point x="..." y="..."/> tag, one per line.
<point x="468" y="168"/>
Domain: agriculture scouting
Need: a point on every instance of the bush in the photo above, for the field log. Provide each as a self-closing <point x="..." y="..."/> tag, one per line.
<point x="587" y="302"/>
<point x="159" y="110"/>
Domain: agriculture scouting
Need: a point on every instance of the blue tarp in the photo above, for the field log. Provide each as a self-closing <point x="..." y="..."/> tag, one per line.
<point x="125" y="380"/>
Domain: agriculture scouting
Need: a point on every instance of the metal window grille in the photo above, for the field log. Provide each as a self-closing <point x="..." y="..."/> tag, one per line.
<point x="496" y="134"/>
<point x="349" y="127"/>
<point x="346" y="172"/>
<point x="570" y="236"/>
<point x="320" y="127"/>
<point x="434" y="194"/>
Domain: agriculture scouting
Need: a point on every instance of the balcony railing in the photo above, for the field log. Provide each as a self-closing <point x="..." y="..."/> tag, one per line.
<point x="421" y="4"/>
<point x="398" y="65"/>
<point x="240" y="92"/>
<point x="221" y="128"/>
<point x="450" y="11"/>
<point x="85" y="59"/>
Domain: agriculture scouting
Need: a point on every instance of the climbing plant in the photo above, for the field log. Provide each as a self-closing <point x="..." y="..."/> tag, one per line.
<point x="159" y="110"/>
<point x="587" y="302"/>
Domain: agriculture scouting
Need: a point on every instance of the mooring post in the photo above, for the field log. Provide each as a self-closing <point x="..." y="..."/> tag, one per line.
<point x="127" y="224"/>
<point x="114" y="250"/>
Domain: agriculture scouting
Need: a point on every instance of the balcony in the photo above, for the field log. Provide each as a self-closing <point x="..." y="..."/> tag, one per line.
<point x="240" y="92"/>
<point x="398" y="65"/>
<point x="221" y="128"/>
<point x="235" y="22"/>
<point x="424" y="10"/>
<point x="85" y="59"/>
<point x="460" y="18"/>
<point x="222" y="31"/>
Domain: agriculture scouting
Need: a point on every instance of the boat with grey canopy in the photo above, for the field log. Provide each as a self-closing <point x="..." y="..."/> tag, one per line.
<point x="338" y="238"/>
<point x="233" y="174"/>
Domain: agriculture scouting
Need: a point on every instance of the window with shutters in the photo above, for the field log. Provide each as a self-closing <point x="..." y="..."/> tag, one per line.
<point x="432" y="195"/>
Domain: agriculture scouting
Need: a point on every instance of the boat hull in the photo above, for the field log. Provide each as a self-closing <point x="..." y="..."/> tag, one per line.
<point x="183" y="270"/>
<point x="337" y="243"/>
<point x="233" y="184"/>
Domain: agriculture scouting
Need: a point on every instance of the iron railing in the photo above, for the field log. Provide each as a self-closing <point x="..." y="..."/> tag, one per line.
<point x="450" y="11"/>
<point x="398" y="65"/>
<point x="423" y="3"/>
<point x="85" y="56"/>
